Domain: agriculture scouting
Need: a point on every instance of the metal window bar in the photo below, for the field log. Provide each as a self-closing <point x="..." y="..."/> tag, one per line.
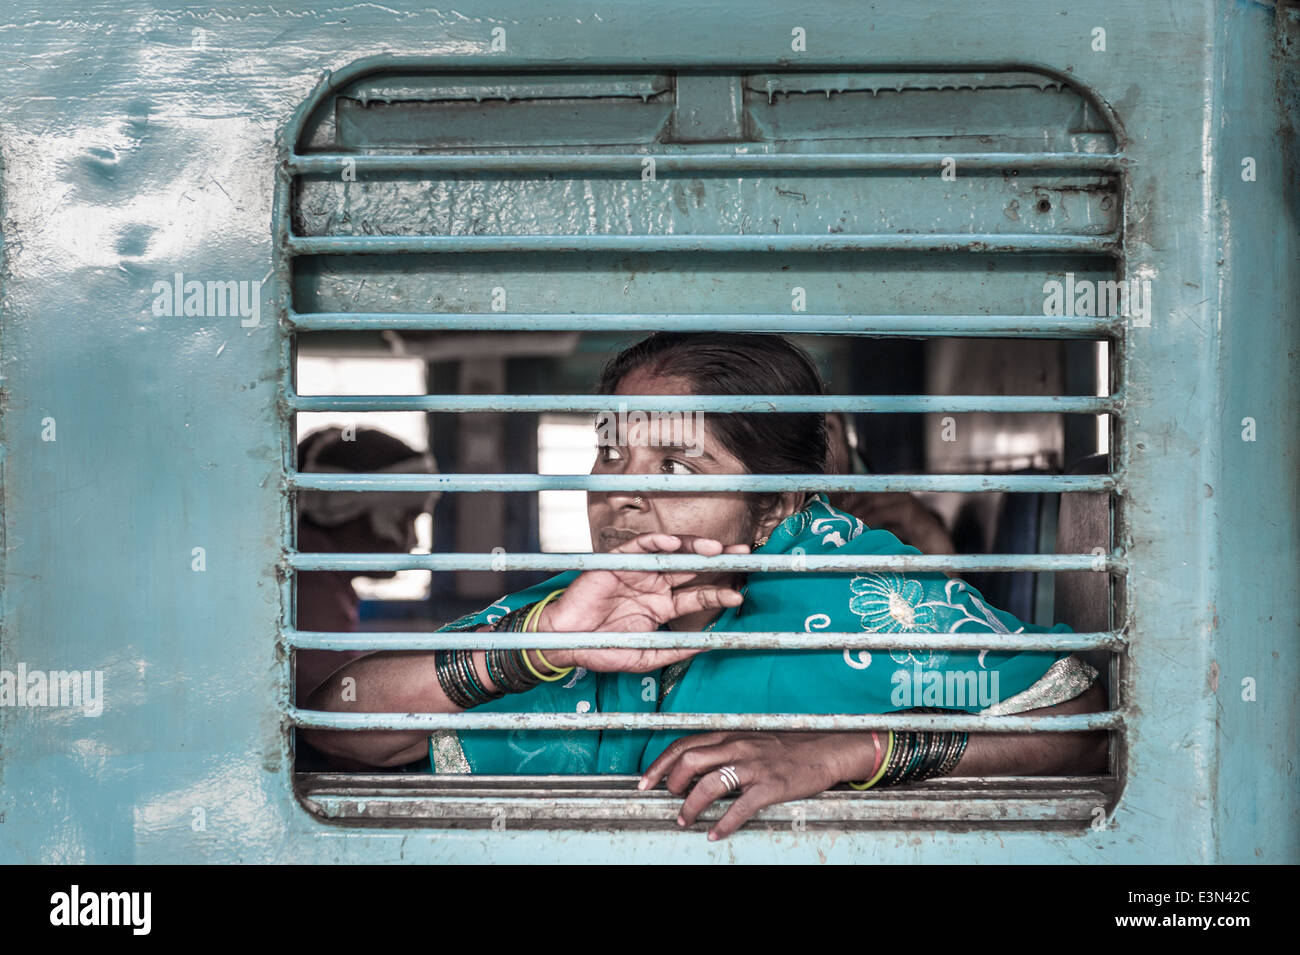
<point x="753" y="164"/>
<point x="705" y="722"/>
<point x="382" y="799"/>
<point x="900" y="242"/>
<point x="750" y="404"/>
<point x="750" y="640"/>
<point x="924" y="563"/>
<point x="877" y="326"/>
<point x="613" y="802"/>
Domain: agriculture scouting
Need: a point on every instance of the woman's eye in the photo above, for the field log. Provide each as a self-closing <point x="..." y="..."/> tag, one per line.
<point x="672" y="465"/>
<point x="607" y="452"/>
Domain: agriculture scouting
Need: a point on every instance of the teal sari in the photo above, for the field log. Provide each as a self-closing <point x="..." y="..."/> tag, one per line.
<point x="765" y="681"/>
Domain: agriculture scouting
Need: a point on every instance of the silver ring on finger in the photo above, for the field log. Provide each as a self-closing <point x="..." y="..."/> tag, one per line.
<point x="730" y="777"/>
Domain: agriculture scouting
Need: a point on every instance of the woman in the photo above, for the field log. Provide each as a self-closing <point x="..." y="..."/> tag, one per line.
<point x="765" y="767"/>
<point x="365" y="522"/>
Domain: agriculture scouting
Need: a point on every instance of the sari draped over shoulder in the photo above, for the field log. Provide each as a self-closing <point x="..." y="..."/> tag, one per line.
<point x="782" y="681"/>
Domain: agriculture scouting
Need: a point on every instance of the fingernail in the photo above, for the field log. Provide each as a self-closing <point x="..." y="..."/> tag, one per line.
<point x="681" y="820"/>
<point x="641" y="783"/>
<point x="713" y="837"/>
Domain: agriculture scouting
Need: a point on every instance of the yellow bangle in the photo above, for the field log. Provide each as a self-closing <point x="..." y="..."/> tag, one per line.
<point x="530" y="619"/>
<point x="532" y="669"/>
<point x="551" y="666"/>
<point x="884" y="763"/>
<point x="533" y="616"/>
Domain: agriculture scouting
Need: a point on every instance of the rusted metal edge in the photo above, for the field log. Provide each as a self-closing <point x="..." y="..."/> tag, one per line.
<point x="974" y="802"/>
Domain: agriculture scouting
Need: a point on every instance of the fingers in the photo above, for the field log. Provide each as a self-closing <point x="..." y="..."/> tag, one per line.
<point x="697" y="761"/>
<point x="648" y="544"/>
<point x="740" y="812"/>
<point x="662" y="658"/>
<point x="711" y="787"/>
<point x="673" y="543"/>
<point x="704" y="597"/>
<point x="650" y="778"/>
<point x="702" y="756"/>
<point x="706" y="547"/>
<point x="679" y="543"/>
<point x="714" y="786"/>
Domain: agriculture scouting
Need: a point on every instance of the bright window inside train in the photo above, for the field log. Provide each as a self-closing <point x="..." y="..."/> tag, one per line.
<point x="350" y="374"/>
<point x="566" y="444"/>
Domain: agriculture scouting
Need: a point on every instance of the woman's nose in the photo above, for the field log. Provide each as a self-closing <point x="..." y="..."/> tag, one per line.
<point x="621" y="499"/>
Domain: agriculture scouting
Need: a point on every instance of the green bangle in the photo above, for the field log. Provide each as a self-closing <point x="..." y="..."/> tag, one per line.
<point x="884" y="764"/>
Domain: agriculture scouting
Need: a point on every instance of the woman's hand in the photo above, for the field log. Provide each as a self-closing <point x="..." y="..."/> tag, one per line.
<point x="773" y="768"/>
<point x="636" y="600"/>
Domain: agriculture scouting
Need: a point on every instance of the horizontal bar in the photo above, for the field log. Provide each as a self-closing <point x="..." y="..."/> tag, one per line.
<point x="756" y="640"/>
<point x="630" y="165"/>
<point x="623" y="786"/>
<point x="907" y="807"/>
<point x="947" y="722"/>
<point x="658" y="483"/>
<point x="750" y="404"/>
<point x="1106" y="243"/>
<point x="812" y="563"/>
<point x="873" y="326"/>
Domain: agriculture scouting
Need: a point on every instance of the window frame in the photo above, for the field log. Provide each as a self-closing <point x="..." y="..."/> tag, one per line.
<point x="1048" y="807"/>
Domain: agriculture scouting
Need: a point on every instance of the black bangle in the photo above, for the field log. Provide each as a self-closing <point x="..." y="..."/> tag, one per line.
<point x="931" y="741"/>
<point x="922" y="740"/>
<point x="480" y="692"/>
<point x="506" y="668"/>
<point x="952" y="756"/>
<point x="955" y="753"/>
<point x="507" y="671"/>
<point x="455" y="671"/>
<point x="945" y="752"/>
<point x="447" y="679"/>
<point x="512" y="620"/>
<point x="496" y="673"/>
<point x="903" y="740"/>
<point x="938" y="745"/>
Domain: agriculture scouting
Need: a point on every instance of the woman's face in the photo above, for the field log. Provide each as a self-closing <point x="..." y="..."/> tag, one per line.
<point x="616" y="516"/>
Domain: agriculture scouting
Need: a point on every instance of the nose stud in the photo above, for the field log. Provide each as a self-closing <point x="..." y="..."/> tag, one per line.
<point x="637" y="500"/>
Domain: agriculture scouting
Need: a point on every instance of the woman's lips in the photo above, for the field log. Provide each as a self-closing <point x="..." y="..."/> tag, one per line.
<point x="614" y="536"/>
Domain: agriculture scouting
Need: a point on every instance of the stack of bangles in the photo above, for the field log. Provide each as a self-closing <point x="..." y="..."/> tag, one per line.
<point x="910" y="756"/>
<point x="511" y="671"/>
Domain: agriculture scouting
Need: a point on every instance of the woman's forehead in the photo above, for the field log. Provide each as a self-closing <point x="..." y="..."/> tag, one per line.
<point x="640" y="381"/>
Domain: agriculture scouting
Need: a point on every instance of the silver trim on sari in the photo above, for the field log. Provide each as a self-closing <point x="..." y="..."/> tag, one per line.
<point x="448" y="754"/>
<point x="1064" y="680"/>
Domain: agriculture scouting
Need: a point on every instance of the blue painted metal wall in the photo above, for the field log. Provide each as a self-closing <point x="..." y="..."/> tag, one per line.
<point x="140" y="140"/>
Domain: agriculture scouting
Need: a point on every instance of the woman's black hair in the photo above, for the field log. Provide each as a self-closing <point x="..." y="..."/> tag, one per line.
<point x="735" y="363"/>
